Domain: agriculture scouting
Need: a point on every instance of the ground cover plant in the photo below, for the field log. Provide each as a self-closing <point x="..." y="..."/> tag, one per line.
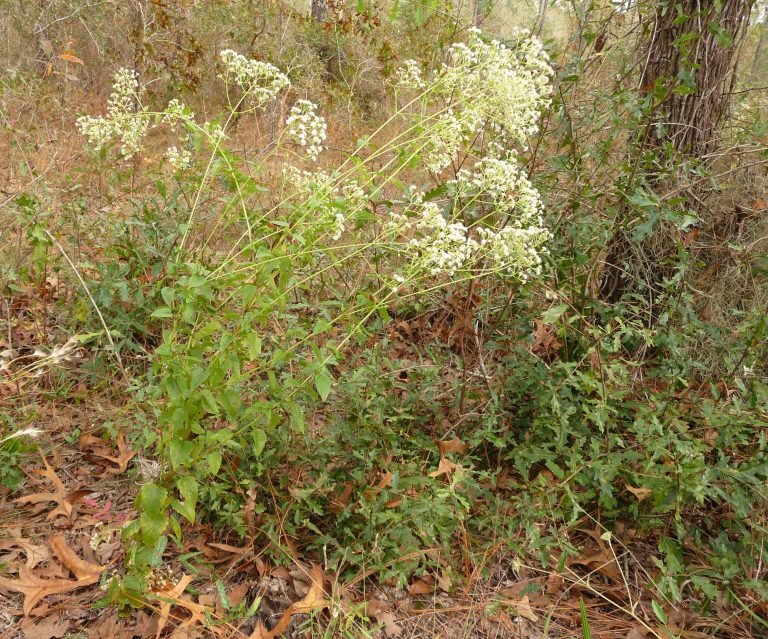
<point x="383" y="319"/>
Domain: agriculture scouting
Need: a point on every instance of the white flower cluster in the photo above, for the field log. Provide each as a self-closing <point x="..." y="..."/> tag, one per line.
<point x="485" y="87"/>
<point x="445" y="248"/>
<point x="513" y="251"/>
<point x="214" y="131"/>
<point x="506" y="87"/>
<point x="409" y="76"/>
<point x="306" y="127"/>
<point x="179" y="158"/>
<point x="260" y="81"/>
<point x="177" y="112"/>
<point x="444" y="141"/>
<point x="500" y="183"/>
<point x="330" y="203"/>
<point x="126" y="119"/>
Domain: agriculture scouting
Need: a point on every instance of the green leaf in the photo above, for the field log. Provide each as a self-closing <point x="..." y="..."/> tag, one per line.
<point x="153" y="519"/>
<point x="162" y="312"/>
<point x="187" y="487"/>
<point x="180" y="452"/>
<point x="550" y="316"/>
<point x="253" y="343"/>
<point x="259" y="441"/>
<point x="659" y="612"/>
<point x="323" y="383"/>
<point x="214" y="462"/>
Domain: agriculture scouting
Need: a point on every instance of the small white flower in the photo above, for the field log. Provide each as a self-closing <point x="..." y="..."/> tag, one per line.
<point x="307" y="128"/>
<point x="260" y="81"/>
<point x="409" y="76"/>
<point x="126" y="118"/>
<point x="178" y="159"/>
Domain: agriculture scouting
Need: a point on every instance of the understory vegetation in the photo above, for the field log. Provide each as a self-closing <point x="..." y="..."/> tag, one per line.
<point x="383" y="318"/>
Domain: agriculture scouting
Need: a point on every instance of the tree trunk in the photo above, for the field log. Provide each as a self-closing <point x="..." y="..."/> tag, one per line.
<point x="689" y="73"/>
<point x="761" y="46"/>
<point x="689" y="69"/>
<point x="319" y="10"/>
<point x="478" y="12"/>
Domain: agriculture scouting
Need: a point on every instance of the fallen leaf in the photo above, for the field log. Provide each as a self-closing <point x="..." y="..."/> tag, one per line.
<point x="636" y="634"/>
<point x="109" y="626"/>
<point x="53" y="626"/>
<point x="444" y="582"/>
<point x="101" y="448"/>
<point x="83" y="570"/>
<point x="69" y="57"/>
<point x="173" y="597"/>
<point x="338" y="504"/>
<point x="380" y="611"/>
<point x="760" y="204"/>
<point x="445" y="467"/>
<point x="314" y="600"/>
<point x="260" y="632"/>
<point x="391" y="628"/>
<point x="640" y="493"/>
<point x="454" y="445"/>
<point x="34" y="588"/>
<point x="422" y="585"/>
<point x="60" y="496"/>
<point x="545" y="340"/>
<point x="35" y="553"/>
<point x="523" y="609"/>
<point x="237" y="594"/>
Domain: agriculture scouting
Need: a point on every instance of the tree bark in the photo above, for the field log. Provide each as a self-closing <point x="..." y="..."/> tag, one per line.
<point x="319" y="10"/>
<point x="689" y="73"/>
<point x="689" y="70"/>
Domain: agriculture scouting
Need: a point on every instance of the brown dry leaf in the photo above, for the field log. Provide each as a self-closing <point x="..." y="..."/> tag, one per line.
<point x="237" y="594"/>
<point x="102" y="449"/>
<point x="64" y="499"/>
<point x="110" y="626"/>
<point x="444" y="582"/>
<point x="281" y="572"/>
<point x="555" y="583"/>
<point x="236" y="550"/>
<point x="635" y="633"/>
<point x="454" y="445"/>
<point x="391" y="627"/>
<point x="640" y="493"/>
<point x="445" y="467"/>
<point x="545" y="340"/>
<point x="173" y="597"/>
<point x="380" y="611"/>
<point x="523" y="608"/>
<point x="34" y="589"/>
<point x="68" y="57"/>
<point x="760" y="204"/>
<point x="53" y="626"/>
<point x="260" y="632"/>
<point x="422" y="585"/>
<point x="83" y="570"/>
<point x="602" y="562"/>
<point x="35" y="553"/>
<point x="338" y="504"/>
<point x="314" y="600"/>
